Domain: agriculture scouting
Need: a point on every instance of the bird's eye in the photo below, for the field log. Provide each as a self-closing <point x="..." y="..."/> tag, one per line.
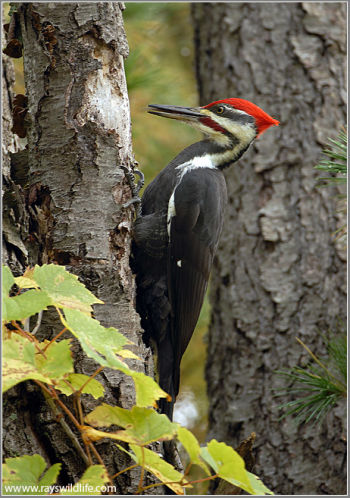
<point x="220" y="110"/>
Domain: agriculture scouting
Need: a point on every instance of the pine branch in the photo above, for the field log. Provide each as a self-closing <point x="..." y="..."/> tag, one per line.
<point x="319" y="386"/>
<point x="336" y="160"/>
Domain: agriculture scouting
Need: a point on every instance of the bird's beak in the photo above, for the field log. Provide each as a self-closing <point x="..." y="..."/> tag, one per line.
<point x="175" y="112"/>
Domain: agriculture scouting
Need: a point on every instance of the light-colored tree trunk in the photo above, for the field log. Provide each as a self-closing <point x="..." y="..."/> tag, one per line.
<point x="14" y="251"/>
<point x="71" y="191"/>
<point x="278" y="274"/>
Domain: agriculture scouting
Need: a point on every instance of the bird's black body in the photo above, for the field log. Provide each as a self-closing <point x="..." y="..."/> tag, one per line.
<point x="177" y="234"/>
<point x="173" y="267"/>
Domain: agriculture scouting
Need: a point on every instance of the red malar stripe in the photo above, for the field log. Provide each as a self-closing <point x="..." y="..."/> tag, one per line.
<point x="212" y="124"/>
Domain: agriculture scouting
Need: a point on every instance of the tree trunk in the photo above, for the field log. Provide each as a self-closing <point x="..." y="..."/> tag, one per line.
<point x="278" y="273"/>
<point x="14" y="251"/>
<point x="69" y="189"/>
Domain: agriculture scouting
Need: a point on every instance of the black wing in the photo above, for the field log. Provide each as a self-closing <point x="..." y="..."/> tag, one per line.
<point x="194" y="232"/>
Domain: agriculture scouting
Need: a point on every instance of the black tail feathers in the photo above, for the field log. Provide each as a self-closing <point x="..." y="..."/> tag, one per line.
<point x="166" y="407"/>
<point x="169" y="377"/>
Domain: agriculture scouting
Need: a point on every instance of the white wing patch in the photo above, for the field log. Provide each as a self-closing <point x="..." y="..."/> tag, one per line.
<point x="197" y="162"/>
<point x="171" y="210"/>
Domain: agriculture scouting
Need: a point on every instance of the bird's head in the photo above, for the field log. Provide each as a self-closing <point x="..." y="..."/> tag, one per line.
<point x="223" y="121"/>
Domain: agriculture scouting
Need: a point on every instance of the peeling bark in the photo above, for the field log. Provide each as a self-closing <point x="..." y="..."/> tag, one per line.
<point x="14" y="217"/>
<point x="71" y="210"/>
<point x="278" y="273"/>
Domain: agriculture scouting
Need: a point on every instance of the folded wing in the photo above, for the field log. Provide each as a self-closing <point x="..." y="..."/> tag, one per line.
<point x="194" y="234"/>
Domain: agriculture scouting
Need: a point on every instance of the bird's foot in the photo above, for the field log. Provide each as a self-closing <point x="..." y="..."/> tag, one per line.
<point x="135" y="187"/>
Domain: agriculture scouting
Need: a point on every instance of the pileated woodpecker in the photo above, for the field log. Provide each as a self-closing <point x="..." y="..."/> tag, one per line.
<point x="177" y="234"/>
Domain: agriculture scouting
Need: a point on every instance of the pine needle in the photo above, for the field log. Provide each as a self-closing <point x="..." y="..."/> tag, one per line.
<point x="336" y="160"/>
<point x="317" y="387"/>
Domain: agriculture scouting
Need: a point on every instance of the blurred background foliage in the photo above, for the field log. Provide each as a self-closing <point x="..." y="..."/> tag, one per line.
<point x="160" y="70"/>
<point x="18" y="63"/>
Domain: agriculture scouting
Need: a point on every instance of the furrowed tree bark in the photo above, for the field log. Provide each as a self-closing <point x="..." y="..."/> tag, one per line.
<point x="279" y="273"/>
<point x="14" y="251"/>
<point x="68" y="189"/>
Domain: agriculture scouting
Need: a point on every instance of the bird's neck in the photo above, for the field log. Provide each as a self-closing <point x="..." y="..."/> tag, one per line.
<point x="220" y="154"/>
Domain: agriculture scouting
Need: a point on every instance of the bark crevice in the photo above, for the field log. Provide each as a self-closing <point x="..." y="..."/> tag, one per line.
<point x="65" y="205"/>
<point x="278" y="273"/>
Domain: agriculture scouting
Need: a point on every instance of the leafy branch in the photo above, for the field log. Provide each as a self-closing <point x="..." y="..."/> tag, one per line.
<point x="50" y="365"/>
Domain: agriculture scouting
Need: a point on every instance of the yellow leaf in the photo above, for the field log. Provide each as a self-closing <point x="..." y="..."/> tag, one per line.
<point x="126" y="353"/>
<point x="26" y="283"/>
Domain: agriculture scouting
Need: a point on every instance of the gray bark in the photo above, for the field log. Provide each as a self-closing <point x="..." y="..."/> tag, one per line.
<point x="70" y="208"/>
<point x="278" y="273"/>
<point x="14" y="251"/>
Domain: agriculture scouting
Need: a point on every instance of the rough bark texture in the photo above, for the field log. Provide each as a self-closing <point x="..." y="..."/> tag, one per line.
<point x="278" y="273"/>
<point x="14" y="251"/>
<point x="63" y="204"/>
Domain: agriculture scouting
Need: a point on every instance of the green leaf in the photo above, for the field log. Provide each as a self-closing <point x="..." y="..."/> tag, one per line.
<point x="64" y="288"/>
<point x="25" y="471"/>
<point x="98" y="342"/>
<point x="27" y="304"/>
<point x="17" y="347"/>
<point x="227" y="463"/>
<point x="7" y="280"/>
<point x="19" y="362"/>
<point x="90" y="483"/>
<point x="103" y="345"/>
<point x="93" y="387"/>
<point x="258" y="486"/>
<point x="142" y="425"/>
<point x="204" y="452"/>
<point x="147" y="390"/>
<point x="191" y="445"/>
<point x="58" y="360"/>
<point x="25" y="283"/>
<point x="160" y="468"/>
<point x="50" y="476"/>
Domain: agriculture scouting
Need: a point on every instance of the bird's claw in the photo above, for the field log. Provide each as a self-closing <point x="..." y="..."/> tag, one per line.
<point x="141" y="180"/>
<point x="130" y="202"/>
<point x="135" y="187"/>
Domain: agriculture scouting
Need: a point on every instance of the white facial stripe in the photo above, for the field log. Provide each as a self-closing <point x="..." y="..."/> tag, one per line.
<point x="244" y="132"/>
<point x="219" y="137"/>
<point x="241" y="112"/>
